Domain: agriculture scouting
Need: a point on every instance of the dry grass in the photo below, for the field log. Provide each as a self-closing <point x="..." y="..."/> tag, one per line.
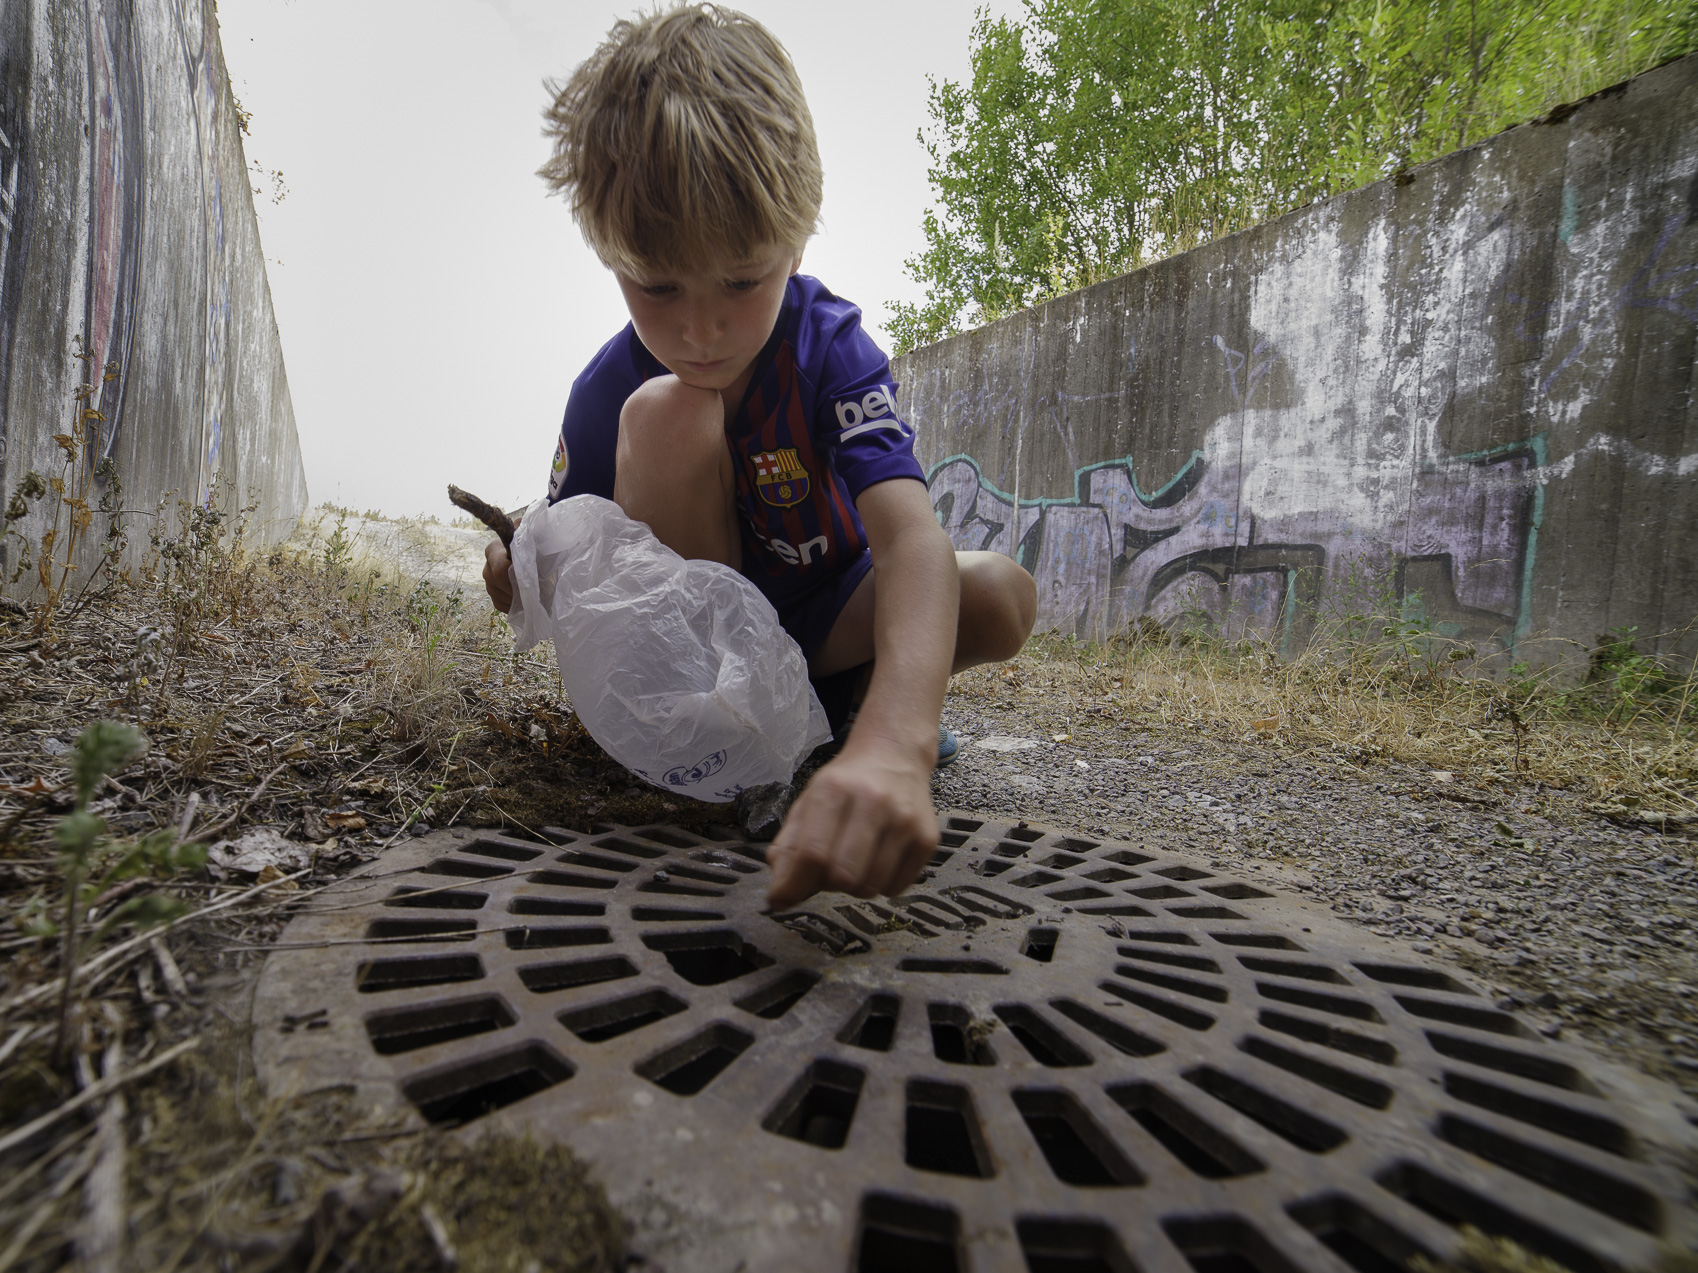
<point x="1626" y="735"/>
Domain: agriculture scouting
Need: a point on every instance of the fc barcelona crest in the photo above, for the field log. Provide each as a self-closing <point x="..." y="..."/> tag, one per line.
<point x="780" y="478"/>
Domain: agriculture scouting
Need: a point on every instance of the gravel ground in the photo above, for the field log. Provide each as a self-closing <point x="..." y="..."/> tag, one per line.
<point x="1584" y="925"/>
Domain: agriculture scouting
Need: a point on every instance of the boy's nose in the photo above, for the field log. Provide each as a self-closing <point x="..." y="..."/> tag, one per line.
<point x="702" y="325"/>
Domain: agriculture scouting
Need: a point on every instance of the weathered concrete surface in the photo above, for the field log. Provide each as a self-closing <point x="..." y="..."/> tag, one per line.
<point x="1474" y="383"/>
<point x="129" y="222"/>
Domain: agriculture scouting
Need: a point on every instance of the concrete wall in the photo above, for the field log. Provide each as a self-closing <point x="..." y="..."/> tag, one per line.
<point x="127" y="219"/>
<point x="1473" y="382"/>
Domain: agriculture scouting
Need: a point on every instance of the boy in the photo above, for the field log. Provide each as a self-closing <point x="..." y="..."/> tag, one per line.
<point x="747" y="419"/>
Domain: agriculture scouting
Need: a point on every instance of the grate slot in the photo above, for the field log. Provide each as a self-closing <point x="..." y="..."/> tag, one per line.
<point x="1159" y="935"/>
<point x="1185" y="873"/>
<point x="409" y="1029"/>
<point x="1196" y="963"/>
<point x="1160" y="892"/>
<point x="1527" y="1065"/>
<point x="374" y="975"/>
<point x="969" y="967"/>
<point x="408" y="930"/>
<point x="1560" y="1120"/>
<point x="1082" y="893"/>
<point x="1071" y="1246"/>
<point x="1117" y="1036"/>
<point x="1354" y="1087"/>
<point x="1357" y="1236"/>
<point x="602" y="1021"/>
<point x="658" y="885"/>
<point x="595" y="861"/>
<point x="898" y="1235"/>
<point x="1125" y="857"/>
<point x="1456" y="1206"/>
<point x="1026" y="835"/>
<point x="1040" y="944"/>
<point x="501" y="849"/>
<point x="957" y="1037"/>
<point x="1037" y="879"/>
<point x="1293" y="968"/>
<point x="1200" y="1146"/>
<point x="1078" y="1151"/>
<point x="940" y="857"/>
<point x="1009" y="850"/>
<point x="686" y="1068"/>
<point x="1047" y="1045"/>
<point x="701" y="876"/>
<point x="447" y="899"/>
<point x="1260" y="941"/>
<point x="773" y="1001"/>
<point x="1614" y="1197"/>
<point x="660" y="835"/>
<point x="541" y="978"/>
<point x="1111" y="875"/>
<point x="820" y="1105"/>
<point x="1205" y="912"/>
<point x="1187" y="1017"/>
<point x="1167" y="981"/>
<point x="1338" y="1005"/>
<point x="964" y="824"/>
<point x="465" y="870"/>
<point x="1075" y="845"/>
<point x="873" y="1027"/>
<point x="942" y="1133"/>
<point x="1329" y="1036"/>
<point x="952" y="839"/>
<point x="631" y="849"/>
<point x="553" y="906"/>
<point x="549" y="938"/>
<point x="827" y="934"/>
<point x="571" y="879"/>
<point x="1463" y="1014"/>
<point x="1225" y="1244"/>
<point x="708" y="958"/>
<point x="1236" y="891"/>
<point x="1124" y="910"/>
<point x="1418" y="978"/>
<point x="1061" y="861"/>
<point x="455" y="1096"/>
<point x="670" y="915"/>
<point x="990" y="868"/>
<point x="1299" y="1127"/>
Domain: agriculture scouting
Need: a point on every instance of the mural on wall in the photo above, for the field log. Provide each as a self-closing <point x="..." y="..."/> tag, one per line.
<point x="15" y="199"/>
<point x="197" y="35"/>
<point x="115" y="212"/>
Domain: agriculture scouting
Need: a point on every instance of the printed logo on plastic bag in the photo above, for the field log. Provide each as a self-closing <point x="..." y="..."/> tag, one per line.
<point x="677" y="668"/>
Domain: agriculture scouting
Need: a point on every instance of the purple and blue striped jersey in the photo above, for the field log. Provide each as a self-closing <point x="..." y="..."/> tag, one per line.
<point x="816" y="428"/>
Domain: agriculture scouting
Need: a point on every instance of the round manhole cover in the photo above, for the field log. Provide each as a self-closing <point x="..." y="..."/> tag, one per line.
<point x="1053" y="1052"/>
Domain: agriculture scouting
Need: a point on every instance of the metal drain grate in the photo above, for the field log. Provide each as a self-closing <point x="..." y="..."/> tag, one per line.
<point x="1053" y="1053"/>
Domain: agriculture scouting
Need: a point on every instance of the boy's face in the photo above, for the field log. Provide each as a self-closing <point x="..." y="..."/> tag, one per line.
<point x="706" y="325"/>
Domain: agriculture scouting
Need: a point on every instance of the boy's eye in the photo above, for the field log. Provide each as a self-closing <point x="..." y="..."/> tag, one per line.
<point x="658" y="289"/>
<point x="742" y="284"/>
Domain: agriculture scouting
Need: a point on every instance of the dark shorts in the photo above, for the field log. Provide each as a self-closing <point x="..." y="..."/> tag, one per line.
<point x="810" y="618"/>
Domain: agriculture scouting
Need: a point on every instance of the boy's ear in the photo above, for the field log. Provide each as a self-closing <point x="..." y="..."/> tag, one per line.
<point x="796" y="264"/>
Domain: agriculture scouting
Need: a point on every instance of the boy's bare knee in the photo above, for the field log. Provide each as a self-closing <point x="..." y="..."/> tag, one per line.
<point x="664" y="414"/>
<point x="999" y="604"/>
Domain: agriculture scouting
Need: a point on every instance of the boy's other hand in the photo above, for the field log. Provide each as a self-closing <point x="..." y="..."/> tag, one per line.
<point x="496" y="577"/>
<point x="865" y="825"/>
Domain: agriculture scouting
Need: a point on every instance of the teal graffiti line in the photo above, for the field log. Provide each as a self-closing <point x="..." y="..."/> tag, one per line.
<point x="1081" y="480"/>
<point x="1570" y="220"/>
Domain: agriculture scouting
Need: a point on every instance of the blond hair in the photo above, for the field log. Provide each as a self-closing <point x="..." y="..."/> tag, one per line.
<point x="684" y="138"/>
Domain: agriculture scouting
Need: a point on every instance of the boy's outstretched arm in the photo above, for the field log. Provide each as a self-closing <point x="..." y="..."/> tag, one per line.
<point x="865" y="824"/>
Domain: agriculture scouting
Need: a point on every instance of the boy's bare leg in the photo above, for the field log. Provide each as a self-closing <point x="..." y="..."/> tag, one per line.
<point x="673" y="470"/>
<point x="999" y="604"/>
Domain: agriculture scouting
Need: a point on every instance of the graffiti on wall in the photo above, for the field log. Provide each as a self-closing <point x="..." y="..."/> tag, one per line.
<point x="1266" y="516"/>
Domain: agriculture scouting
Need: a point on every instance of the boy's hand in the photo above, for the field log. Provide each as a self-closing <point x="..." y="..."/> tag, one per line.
<point x="865" y="826"/>
<point x="497" y="580"/>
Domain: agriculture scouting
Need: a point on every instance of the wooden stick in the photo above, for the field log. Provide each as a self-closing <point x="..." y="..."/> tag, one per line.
<point x="94" y="1092"/>
<point x="488" y="514"/>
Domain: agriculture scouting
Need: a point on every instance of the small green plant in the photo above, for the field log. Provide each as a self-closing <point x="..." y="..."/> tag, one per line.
<point x="338" y="550"/>
<point x="1625" y="680"/>
<point x="92" y="864"/>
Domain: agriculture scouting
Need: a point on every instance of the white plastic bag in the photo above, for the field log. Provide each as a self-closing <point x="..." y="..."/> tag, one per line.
<point x="679" y="669"/>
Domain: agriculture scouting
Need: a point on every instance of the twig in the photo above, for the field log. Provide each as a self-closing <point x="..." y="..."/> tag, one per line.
<point x="100" y="1244"/>
<point x="93" y="1092"/>
<point x="488" y="514"/>
<point x="109" y="960"/>
<point x="44" y="1212"/>
<point x="169" y="973"/>
<point x="12" y="1044"/>
<point x="241" y="809"/>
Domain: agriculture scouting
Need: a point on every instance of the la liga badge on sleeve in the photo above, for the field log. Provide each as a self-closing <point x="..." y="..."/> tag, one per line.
<point x="780" y="477"/>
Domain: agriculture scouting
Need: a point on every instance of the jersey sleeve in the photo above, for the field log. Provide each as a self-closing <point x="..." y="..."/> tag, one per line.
<point x="583" y="454"/>
<point x="857" y="416"/>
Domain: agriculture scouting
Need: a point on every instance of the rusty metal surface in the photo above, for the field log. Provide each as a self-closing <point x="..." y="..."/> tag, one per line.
<point x="1054" y="1052"/>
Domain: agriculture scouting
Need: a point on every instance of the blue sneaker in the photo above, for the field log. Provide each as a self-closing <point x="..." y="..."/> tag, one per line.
<point x="948" y="746"/>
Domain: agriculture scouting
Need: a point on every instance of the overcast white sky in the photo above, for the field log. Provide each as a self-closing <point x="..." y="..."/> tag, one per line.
<point x="434" y="305"/>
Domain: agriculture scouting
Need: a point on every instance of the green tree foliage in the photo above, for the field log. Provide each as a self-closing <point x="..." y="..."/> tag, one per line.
<point x="1100" y="135"/>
